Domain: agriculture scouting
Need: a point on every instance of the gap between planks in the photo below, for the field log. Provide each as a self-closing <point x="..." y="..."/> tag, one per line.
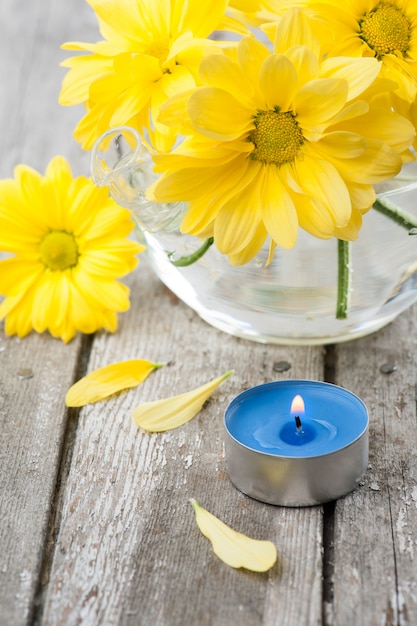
<point x="60" y="486"/>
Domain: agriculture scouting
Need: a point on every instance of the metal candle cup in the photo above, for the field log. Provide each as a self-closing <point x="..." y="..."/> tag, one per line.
<point x="277" y="459"/>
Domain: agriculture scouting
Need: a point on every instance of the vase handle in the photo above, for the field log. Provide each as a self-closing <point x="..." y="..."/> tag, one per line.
<point x="121" y="161"/>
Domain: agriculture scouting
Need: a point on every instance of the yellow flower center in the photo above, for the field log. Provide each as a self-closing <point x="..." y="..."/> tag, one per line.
<point x="386" y="30"/>
<point x="277" y="137"/>
<point x="58" y="250"/>
<point x="160" y="48"/>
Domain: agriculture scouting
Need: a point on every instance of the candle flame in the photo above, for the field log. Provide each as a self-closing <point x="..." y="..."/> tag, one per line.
<point x="297" y="406"/>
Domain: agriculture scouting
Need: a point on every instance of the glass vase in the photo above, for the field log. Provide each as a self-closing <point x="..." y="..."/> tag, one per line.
<point x="293" y="300"/>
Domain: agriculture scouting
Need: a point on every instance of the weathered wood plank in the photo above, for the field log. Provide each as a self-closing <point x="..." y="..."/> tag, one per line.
<point x="32" y="426"/>
<point x="32" y="415"/>
<point x="376" y="526"/>
<point x="128" y="550"/>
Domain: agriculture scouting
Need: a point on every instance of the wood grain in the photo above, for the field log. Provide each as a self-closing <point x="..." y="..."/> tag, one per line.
<point x="376" y="526"/>
<point x="34" y="375"/>
<point x="33" y="417"/>
<point x="128" y="550"/>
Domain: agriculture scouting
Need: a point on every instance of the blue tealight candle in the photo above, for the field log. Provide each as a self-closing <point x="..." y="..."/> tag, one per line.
<point x="296" y="442"/>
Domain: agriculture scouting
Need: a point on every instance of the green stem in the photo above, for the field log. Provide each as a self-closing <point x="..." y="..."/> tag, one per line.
<point x="389" y="209"/>
<point x="343" y="284"/>
<point x="192" y="258"/>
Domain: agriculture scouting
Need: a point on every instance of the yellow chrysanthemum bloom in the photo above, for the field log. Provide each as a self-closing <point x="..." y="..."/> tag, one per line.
<point x="279" y="141"/>
<point x="151" y="50"/>
<point x="67" y="244"/>
<point x="384" y="29"/>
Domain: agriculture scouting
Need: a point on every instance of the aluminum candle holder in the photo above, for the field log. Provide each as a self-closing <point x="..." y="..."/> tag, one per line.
<point x="296" y="442"/>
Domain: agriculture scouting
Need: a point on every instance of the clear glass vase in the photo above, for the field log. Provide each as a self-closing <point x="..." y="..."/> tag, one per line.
<point x="293" y="300"/>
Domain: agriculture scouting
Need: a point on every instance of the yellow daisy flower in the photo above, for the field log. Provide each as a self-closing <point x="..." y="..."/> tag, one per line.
<point x="151" y="50"/>
<point x="384" y="29"/>
<point x="67" y="244"/>
<point x="280" y="140"/>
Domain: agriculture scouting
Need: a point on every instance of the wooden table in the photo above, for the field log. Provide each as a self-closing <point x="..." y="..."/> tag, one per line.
<point x="95" y="522"/>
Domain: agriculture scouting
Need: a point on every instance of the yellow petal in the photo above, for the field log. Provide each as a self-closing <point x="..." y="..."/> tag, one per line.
<point x="238" y="221"/>
<point x="343" y="144"/>
<point x="173" y="113"/>
<point x="217" y="114"/>
<point x="170" y="413"/>
<point x="199" y="17"/>
<point x="359" y="73"/>
<point x="320" y="179"/>
<point x="351" y="231"/>
<point x="294" y="29"/>
<point x="278" y="210"/>
<point x="233" y="548"/>
<point x="251" y="54"/>
<point x="272" y="246"/>
<point x="221" y="72"/>
<point x="363" y="196"/>
<point x="247" y="254"/>
<point x="318" y="101"/>
<point x="84" y="71"/>
<point x="276" y="71"/>
<point x="377" y="164"/>
<point x="305" y="63"/>
<point x="108" y="380"/>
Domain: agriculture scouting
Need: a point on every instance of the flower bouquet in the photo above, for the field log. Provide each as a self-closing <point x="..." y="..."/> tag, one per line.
<point x="272" y="126"/>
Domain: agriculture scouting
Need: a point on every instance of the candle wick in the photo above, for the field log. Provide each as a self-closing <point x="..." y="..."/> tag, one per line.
<point x="298" y="425"/>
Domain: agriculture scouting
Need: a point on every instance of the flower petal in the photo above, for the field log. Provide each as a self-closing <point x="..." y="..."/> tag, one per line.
<point x="106" y="381"/>
<point x="84" y="70"/>
<point x="200" y="17"/>
<point x="320" y="179"/>
<point x="217" y="114"/>
<point x="359" y="73"/>
<point x="251" y="54"/>
<point x="278" y="210"/>
<point x="318" y="101"/>
<point x="277" y="71"/>
<point x="221" y="72"/>
<point x="17" y="275"/>
<point x="294" y="29"/>
<point x="232" y="547"/>
<point x="305" y="63"/>
<point x="170" y="413"/>
<point x="247" y="254"/>
<point x="238" y="221"/>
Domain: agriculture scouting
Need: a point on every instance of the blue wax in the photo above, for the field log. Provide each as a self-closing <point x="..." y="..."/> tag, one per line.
<point x="260" y="418"/>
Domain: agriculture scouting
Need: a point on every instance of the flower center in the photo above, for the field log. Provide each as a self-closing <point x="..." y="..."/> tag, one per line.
<point x="277" y="137"/>
<point x="58" y="250"/>
<point x="159" y="48"/>
<point x="386" y="30"/>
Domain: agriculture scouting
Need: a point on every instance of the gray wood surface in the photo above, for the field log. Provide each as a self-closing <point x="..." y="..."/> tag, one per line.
<point x="376" y="527"/>
<point x="95" y="523"/>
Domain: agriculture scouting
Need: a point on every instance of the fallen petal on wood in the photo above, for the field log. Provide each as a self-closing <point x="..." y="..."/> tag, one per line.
<point x="105" y="381"/>
<point x="169" y="413"/>
<point x="232" y="547"/>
